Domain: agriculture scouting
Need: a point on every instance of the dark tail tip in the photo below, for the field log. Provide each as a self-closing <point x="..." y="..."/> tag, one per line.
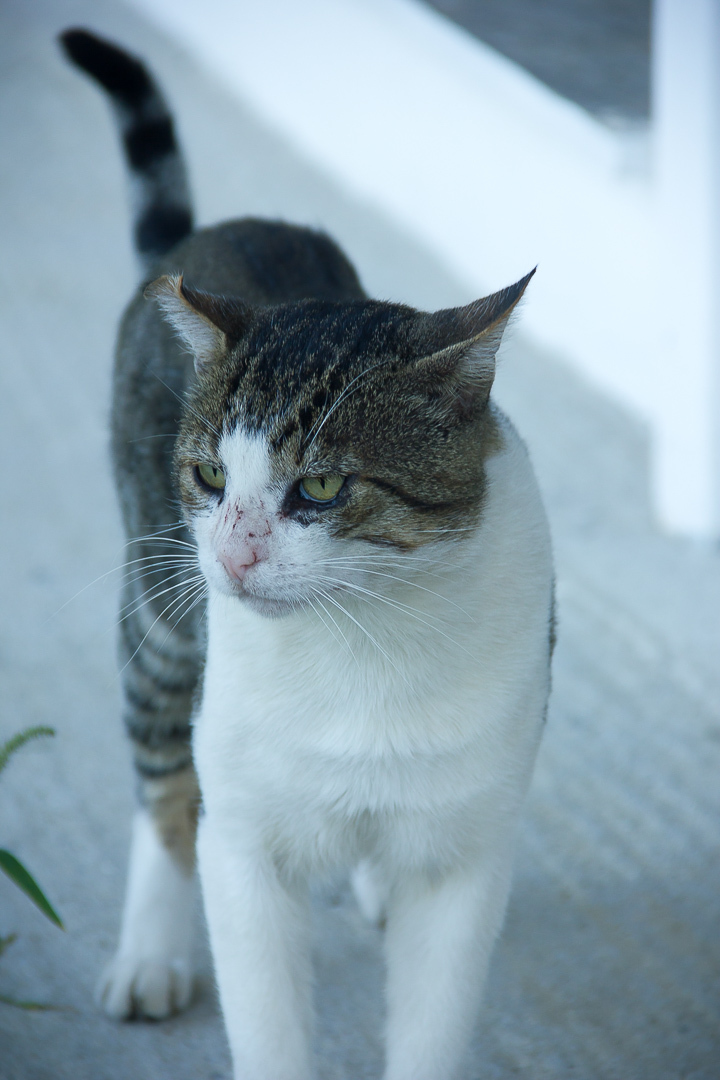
<point x="163" y="214"/>
<point x="122" y="75"/>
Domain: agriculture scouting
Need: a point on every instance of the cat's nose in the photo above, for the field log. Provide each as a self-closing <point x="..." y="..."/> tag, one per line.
<point x="236" y="568"/>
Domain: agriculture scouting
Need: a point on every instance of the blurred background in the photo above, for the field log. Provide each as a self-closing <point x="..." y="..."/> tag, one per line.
<point x="449" y="147"/>
<point x="587" y="129"/>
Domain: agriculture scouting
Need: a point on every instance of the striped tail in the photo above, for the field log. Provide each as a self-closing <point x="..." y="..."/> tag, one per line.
<point x="161" y="195"/>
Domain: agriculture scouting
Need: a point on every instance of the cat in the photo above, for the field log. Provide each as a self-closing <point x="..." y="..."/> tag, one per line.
<point x="337" y="626"/>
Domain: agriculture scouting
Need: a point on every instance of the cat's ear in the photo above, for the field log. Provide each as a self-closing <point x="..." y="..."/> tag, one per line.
<point x="206" y="323"/>
<point x="462" y="371"/>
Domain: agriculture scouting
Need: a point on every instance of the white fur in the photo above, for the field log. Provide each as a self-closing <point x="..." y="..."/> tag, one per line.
<point x="151" y="973"/>
<point x="317" y="747"/>
<point x="370" y="891"/>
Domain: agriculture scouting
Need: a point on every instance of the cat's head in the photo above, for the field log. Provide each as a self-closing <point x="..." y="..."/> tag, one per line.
<point x="319" y="436"/>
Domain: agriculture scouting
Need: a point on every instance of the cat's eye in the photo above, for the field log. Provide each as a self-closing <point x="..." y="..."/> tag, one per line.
<point x="210" y="476"/>
<point x="321" y="489"/>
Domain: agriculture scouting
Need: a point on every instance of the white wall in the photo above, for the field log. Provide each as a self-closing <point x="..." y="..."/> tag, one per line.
<point x="686" y="80"/>
<point x="496" y="173"/>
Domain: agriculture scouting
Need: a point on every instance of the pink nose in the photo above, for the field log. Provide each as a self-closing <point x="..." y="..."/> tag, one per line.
<point x="236" y="568"/>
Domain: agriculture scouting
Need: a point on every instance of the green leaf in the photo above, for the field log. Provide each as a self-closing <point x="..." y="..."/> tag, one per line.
<point x="17" y="873"/>
<point x="19" y="740"/>
<point x="31" y="1006"/>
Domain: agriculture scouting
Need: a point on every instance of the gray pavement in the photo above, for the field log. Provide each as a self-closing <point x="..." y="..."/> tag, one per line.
<point x="609" y="965"/>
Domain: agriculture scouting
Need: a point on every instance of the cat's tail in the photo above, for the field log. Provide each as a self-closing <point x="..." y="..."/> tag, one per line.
<point x="162" y="208"/>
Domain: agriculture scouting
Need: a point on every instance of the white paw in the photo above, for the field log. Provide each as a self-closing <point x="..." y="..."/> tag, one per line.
<point x="153" y="987"/>
<point x="370" y="893"/>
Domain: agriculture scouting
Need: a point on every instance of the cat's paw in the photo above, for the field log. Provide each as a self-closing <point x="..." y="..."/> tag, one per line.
<point x="152" y="987"/>
<point x="370" y="893"/>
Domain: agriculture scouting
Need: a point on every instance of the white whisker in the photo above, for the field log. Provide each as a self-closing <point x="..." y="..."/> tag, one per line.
<point x="405" y="608"/>
<point x="390" y="560"/>
<point x="200" y="595"/>
<point x="166" y="611"/>
<point x="120" y="568"/>
<point x="342" y="398"/>
<point x="155" y="538"/>
<point x="161" y="559"/>
<point x="168" y="528"/>
<point x="378" y="646"/>
<point x="153" y="594"/>
<point x="183" y="399"/>
<point x="406" y="581"/>
<point x="146" y="438"/>
<point x="336" y="624"/>
<point x="327" y="394"/>
<point x="139" y="573"/>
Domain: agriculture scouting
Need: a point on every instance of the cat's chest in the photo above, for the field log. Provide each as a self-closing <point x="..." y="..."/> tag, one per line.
<point x="323" y="778"/>
<point x="315" y="712"/>
<point x="291" y="689"/>
<point x="330" y="759"/>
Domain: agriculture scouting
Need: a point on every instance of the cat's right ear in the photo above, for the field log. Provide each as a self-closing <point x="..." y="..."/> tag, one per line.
<point x="207" y="324"/>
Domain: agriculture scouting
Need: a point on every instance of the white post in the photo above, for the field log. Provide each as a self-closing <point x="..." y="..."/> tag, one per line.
<point x="686" y="121"/>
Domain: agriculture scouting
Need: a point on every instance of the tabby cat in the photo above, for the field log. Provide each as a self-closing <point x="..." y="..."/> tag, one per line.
<point x="338" y="616"/>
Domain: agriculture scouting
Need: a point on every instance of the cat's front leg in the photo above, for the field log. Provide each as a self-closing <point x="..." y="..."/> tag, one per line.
<point x="259" y="935"/>
<point x="150" y="975"/>
<point x="440" y="934"/>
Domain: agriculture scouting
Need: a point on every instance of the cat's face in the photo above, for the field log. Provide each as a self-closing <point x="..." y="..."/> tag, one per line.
<point x="323" y="441"/>
<point x="278" y="536"/>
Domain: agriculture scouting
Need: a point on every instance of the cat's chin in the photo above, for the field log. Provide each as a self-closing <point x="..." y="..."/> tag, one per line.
<point x="268" y="607"/>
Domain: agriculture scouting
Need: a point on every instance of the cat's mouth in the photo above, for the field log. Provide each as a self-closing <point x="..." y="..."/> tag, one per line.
<point x="269" y="607"/>
<point x="247" y="592"/>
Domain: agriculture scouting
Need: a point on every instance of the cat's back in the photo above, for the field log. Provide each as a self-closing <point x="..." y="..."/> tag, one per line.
<point x="264" y="262"/>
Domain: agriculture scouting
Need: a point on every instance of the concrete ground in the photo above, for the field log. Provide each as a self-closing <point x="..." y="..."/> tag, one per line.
<point x="609" y="963"/>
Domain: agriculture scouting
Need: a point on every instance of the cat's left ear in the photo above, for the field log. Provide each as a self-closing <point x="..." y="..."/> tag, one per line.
<point x="462" y="370"/>
<point x="208" y="324"/>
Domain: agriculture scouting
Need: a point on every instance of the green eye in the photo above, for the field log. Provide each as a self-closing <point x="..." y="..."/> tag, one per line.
<point x="321" y="488"/>
<point x="210" y="477"/>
